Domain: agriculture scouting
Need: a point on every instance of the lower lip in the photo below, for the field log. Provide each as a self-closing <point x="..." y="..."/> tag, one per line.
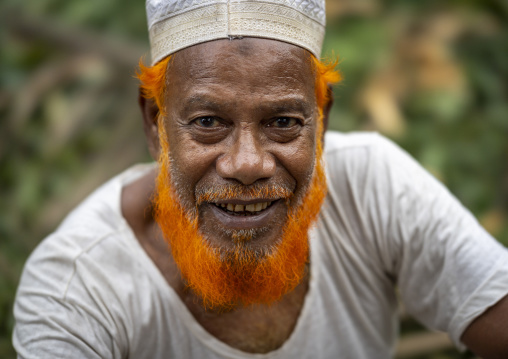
<point x="245" y="222"/>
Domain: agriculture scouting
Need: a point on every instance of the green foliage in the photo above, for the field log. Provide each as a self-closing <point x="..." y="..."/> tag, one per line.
<point x="457" y="129"/>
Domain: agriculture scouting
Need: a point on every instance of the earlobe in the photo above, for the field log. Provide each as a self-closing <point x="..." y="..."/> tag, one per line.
<point x="150" y="113"/>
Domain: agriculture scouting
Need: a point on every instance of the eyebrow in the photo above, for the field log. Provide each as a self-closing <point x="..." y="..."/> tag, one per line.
<point x="202" y="101"/>
<point x="286" y="103"/>
<point x="289" y="105"/>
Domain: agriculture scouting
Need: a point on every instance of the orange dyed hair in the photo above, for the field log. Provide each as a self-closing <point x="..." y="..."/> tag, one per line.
<point x="153" y="80"/>
<point x="326" y="75"/>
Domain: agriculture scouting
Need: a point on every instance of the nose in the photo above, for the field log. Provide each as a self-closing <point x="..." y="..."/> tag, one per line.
<point x="246" y="160"/>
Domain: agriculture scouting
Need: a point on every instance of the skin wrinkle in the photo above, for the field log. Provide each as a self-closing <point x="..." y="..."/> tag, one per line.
<point x="179" y="182"/>
<point x="241" y="273"/>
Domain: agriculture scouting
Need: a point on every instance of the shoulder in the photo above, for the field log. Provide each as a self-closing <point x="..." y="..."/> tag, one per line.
<point x="79" y="274"/>
<point x="368" y="159"/>
<point x="382" y="196"/>
<point x="94" y="231"/>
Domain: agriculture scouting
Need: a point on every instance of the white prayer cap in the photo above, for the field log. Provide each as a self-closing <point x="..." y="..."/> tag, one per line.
<point x="177" y="24"/>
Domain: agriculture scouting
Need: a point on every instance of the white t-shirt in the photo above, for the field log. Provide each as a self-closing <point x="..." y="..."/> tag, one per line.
<point x="90" y="291"/>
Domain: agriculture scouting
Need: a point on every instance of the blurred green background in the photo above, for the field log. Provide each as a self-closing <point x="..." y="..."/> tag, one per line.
<point x="432" y="75"/>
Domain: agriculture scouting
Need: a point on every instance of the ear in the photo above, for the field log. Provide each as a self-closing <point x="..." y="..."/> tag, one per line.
<point x="150" y="113"/>
<point x="326" y="110"/>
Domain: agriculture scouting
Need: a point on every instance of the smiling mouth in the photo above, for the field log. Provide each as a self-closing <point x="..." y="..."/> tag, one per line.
<point x="236" y="214"/>
<point x="244" y="209"/>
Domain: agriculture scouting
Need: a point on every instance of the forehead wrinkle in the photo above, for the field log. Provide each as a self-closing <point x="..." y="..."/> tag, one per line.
<point x="201" y="100"/>
<point x="199" y="63"/>
<point x="197" y="66"/>
<point x="288" y="103"/>
<point x="298" y="107"/>
<point x="272" y="104"/>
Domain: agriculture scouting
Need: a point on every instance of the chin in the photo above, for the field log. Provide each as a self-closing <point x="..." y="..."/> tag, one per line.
<point x="229" y="244"/>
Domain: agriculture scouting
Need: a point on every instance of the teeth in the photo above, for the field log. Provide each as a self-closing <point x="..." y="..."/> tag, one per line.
<point x="253" y="207"/>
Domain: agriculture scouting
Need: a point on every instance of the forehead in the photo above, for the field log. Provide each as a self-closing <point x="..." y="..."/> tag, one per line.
<point x="249" y="64"/>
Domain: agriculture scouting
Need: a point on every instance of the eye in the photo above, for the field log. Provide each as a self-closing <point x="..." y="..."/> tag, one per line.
<point x="208" y="129"/>
<point x="284" y="129"/>
<point x="207" y="122"/>
<point x="284" y="122"/>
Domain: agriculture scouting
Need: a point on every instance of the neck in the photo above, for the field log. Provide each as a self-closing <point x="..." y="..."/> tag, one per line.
<point x="256" y="328"/>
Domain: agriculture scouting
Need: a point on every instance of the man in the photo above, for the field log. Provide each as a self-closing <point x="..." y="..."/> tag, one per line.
<point x="249" y="239"/>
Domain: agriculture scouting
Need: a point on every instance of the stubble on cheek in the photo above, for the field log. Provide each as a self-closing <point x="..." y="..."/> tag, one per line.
<point x="182" y="188"/>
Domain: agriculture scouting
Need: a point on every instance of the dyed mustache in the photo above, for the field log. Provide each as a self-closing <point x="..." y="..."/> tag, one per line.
<point x="244" y="193"/>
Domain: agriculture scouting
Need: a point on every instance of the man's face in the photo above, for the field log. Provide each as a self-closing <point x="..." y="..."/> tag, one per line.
<point x="241" y="112"/>
<point x="238" y="187"/>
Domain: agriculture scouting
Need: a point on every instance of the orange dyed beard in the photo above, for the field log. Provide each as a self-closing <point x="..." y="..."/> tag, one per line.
<point x="242" y="276"/>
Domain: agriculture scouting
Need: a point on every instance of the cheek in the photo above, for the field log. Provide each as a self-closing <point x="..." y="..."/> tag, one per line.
<point x="298" y="159"/>
<point x="190" y="162"/>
